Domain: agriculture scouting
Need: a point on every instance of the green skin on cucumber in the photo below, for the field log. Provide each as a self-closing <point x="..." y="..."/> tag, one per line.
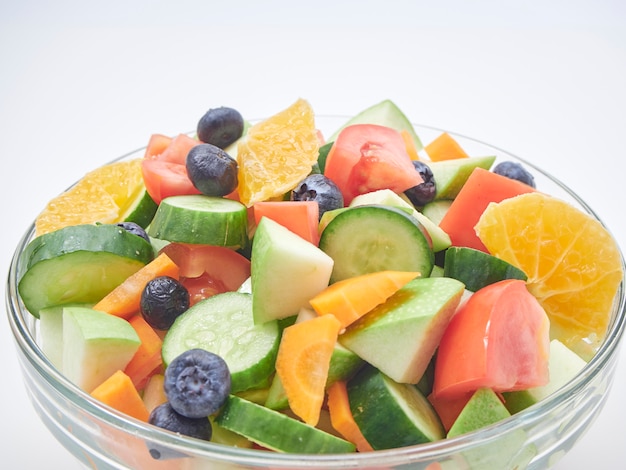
<point x="79" y="264"/>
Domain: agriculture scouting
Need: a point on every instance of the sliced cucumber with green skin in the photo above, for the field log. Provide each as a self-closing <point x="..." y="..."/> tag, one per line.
<point x="223" y="324"/>
<point x="141" y="211"/>
<point x="389" y="414"/>
<point x="385" y="113"/>
<point x="202" y="220"/>
<point x="371" y="238"/>
<point x="79" y="264"/>
<point x="277" y="431"/>
<point x="477" y="269"/>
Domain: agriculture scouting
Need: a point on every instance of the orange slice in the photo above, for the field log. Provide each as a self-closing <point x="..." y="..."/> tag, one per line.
<point x="573" y="264"/>
<point x="277" y="154"/>
<point x="103" y="195"/>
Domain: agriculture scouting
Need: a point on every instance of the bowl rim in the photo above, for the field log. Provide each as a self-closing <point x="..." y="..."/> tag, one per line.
<point x="21" y="323"/>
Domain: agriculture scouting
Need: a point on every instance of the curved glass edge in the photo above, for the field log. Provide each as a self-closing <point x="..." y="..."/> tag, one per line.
<point x="24" y="330"/>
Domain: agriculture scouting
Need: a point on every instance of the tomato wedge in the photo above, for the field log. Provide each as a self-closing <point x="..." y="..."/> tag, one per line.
<point x="368" y="157"/>
<point x="499" y="339"/>
<point x="206" y="270"/>
<point x="164" y="166"/>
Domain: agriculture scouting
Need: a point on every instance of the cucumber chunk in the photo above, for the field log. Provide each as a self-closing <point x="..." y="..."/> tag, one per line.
<point x="477" y="269"/>
<point x="79" y="264"/>
<point x="371" y="238"/>
<point x="277" y="431"/>
<point x="202" y="220"/>
<point x="223" y="325"/>
<point x="390" y="414"/>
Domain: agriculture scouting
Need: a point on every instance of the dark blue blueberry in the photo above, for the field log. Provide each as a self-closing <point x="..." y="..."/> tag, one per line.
<point x="319" y="188"/>
<point x="515" y="171"/>
<point x="135" y="229"/>
<point x="424" y="192"/>
<point x="220" y="126"/>
<point x="165" y="417"/>
<point x="211" y="170"/>
<point x="163" y="299"/>
<point x="197" y="383"/>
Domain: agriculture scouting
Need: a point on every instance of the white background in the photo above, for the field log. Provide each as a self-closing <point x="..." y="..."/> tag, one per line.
<point x="84" y="82"/>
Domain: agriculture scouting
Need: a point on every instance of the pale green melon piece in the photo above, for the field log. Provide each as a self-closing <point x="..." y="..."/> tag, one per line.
<point x="95" y="345"/>
<point x="451" y="175"/>
<point x="400" y="336"/>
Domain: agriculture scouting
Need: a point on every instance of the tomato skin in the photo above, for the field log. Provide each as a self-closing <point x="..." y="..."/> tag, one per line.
<point x="498" y="339"/>
<point x="368" y="157"/>
<point x="164" y="166"/>
<point x="207" y="270"/>
<point x="164" y="179"/>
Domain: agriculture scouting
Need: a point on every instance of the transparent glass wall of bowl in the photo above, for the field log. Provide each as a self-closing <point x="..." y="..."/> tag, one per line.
<point x="103" y="438"/>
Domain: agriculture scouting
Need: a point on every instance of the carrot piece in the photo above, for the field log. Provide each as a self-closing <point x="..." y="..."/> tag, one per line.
<point x="123" y="301"/>
<point x="303" y="361"/>
<point x="157" y="145"/>
<point x="341" y="416"/>
<point x="301" y="217"/>
<point x="119" y="392"/>
<point x="148" y="357"/>
<point x="350" y="299"/>
<point x="444" y="147"/>
<point x="409" y="143"/>
<point x="481" y="188"/>
<point x="153" y="392"/>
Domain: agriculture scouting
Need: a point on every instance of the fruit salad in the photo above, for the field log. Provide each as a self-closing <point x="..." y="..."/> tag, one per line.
<point x="264" y="285"/>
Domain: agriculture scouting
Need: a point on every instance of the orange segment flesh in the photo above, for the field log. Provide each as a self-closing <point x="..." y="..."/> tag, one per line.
<point x="573" y="264"/>
<point x="102" y="195"/>
<point x="277" y="153"/>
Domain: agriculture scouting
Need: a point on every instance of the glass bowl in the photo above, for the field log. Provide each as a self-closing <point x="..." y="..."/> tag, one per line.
<point x="101" y="437"/>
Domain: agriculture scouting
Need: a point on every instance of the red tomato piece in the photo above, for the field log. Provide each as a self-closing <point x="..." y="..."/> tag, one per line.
<point x="177" y="150"/>
<point x="301" y="217"/>
<point x="367" y="157"/>
<point x="206" y="270"/>
<point x="157" y="145"/>
<point x="498" y="339"/>
<point x="164" y="179"/>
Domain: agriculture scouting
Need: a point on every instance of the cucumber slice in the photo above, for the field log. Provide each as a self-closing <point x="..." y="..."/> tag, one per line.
<point x="277" y="431"/>
<point x="477" y="269"/>
<point x="141" y="211"/>
<point x="223" y="324"/>
<point x="371" y="238"/>
<point x="79" y="264"/>
<point x="390" y="414"/>
<point x="202" y="220"/>
<point x="385" y="113"/>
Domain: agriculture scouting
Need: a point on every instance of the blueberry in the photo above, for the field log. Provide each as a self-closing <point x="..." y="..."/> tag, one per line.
<point x="424" y="192"/>
<point x="163" y="299"/>
<point x="135" y="229"/>
<point x="220" y="126"/>
<point x="515" y="171"/>
<point x="211" y="170"/>
<point x="164" y="416"/>
<point x="317" y="187"/>
<point x="197" y="383"/>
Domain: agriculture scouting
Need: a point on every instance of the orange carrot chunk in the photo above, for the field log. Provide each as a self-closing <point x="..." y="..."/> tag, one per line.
<point x="148" y="357"/>
<point x="341" y="416"/>
<point x="123" y="301"/>
<point x="444" y="147"/>
<point x="409" y="143"/>
<point x="350" y="299"/>
<point x="303" y="361"/>
<point x="119" y="392"/>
